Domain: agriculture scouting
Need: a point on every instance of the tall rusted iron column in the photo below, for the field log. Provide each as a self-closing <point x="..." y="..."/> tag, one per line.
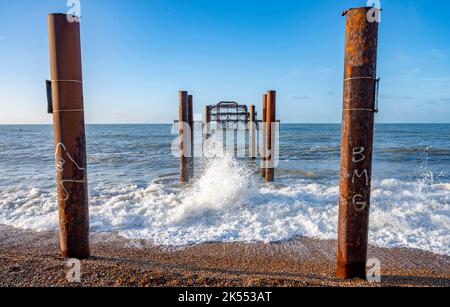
<point x="207" y="123"/>
<point x="191" y="129"/>
<point x="357" y="140"/>
<point x="270" y="135"/>
<point x="263" y="130"/>
<point x="185" y="138"/>
<point x="252" y="133"/>
<point x="70" y="140"/>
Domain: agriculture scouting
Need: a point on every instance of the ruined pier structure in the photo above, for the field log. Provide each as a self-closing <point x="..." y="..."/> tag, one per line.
<point x="65" y="102"/>
<point x="230" y="123"/>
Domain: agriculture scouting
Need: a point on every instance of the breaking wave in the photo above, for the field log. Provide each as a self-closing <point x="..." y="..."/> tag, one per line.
<point x="227" y="203"/>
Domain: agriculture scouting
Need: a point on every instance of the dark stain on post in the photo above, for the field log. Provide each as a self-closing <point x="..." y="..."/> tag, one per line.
<point x="184" y="135"/>
<point x="263" y="130"/>
<point x="357" y="142"/>
<point x="252" y="132"/>
<point x="270" y="135"/>
<point x="207" y="123"/>
<point x="69" y="130"/>
<point x="192" y="129"/>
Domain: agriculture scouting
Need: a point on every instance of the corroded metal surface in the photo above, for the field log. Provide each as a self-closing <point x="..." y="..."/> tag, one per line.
<point x="69" y="130"/>
<point x="191" y="130"/>
<point x="357" y="142"/>
<point x="184" y="135"/>
<point x="229" y="114"/>
<point x="207" y="123"/>
<point x="264" y="136"/>
<point x="270" y="135"/>
<point x="252" y="133"/>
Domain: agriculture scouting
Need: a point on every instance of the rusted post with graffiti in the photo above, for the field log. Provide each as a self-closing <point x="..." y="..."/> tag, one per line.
<point x="191" y="141"/>
<point x="357" y="141"/>
<point x="69" y="129"/>
<point x="252" y="133"/>
<point x="271" y="120"/>
<point x="263" y="131"/>
<point x="185" y="137"/>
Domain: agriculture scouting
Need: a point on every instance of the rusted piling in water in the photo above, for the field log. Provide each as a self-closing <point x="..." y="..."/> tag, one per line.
<point x="270" y="135"/>
<point x="185" y="137"/>
<point x="252" y="133"/>
<point x="207" y="123"/>
<point x="70" y="140"/>
<point x="191" y="129"/>
<point x="357" y="141"/>
<point x="263" y="131"/>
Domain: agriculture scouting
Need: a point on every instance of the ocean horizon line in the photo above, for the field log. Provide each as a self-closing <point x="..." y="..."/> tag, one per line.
<point x="161" y="124"/>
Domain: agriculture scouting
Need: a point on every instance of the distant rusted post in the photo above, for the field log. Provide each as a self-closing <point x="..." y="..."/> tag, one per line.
<point x="357" y="141"/>
<point x="70" y="140"/>
<point x="184" y="136"/>
<point x="263" y="130"/>
<point x="207" y="123"/>
<point x="191" y="129"/>
<point x="270" y="135"/>
<point x="252" y="133"/>
<point x="220" y="134"/>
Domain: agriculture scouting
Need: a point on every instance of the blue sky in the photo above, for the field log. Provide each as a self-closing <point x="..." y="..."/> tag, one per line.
<point x="137" y="54"/>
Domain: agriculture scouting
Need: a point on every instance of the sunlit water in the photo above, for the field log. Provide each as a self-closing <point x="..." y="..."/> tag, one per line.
<point x="134" y="188"/>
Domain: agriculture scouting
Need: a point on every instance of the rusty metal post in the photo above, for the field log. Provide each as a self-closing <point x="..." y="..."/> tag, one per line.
<point x="207" y="123"/>
<point x="70" y="140"/>
<point x="252" y="133"/>
<point x="191" y="129"/>
<point x="270" y="135"/>
<point x="263" y="129"/>
<point x="184" y="136"/>
<point x="357" y="141"/>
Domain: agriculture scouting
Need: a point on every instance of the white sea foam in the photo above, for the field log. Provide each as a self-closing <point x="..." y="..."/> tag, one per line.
<point x="227" y="203"/>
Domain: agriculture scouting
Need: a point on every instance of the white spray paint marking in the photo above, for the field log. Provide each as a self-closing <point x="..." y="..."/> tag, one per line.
<point x="60" y="164"/>
<point x="359" y="156"/>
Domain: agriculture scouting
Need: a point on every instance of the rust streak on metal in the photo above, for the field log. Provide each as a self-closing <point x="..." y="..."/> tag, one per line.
<point x="357" y="142"/>
<point x="207" y="123"/>
<point x="252" y="133"/>
<point x="263" y="130"/>
<point x="270" y="135"/>
<point x="184" y="135"/>
<point x="191" y="129"/>
<point x="70" y="140"/>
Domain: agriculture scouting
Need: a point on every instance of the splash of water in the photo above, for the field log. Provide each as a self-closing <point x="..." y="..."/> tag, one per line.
<point x="225" y="183"/>
<point x="226" y="203"/>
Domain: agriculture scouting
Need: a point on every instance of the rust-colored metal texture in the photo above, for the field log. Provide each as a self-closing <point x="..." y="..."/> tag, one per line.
<point x="184" y="135"/>
<point x="229" y="114"/>
<point x="252" y="133"/>
<point x="191" y="129"/>
<point x="69" y="131"/>
<point x="207" y="123"/>
<point x="264" y="136"/>
<point x="357" y="142"/>
<point x="270" y="135"/>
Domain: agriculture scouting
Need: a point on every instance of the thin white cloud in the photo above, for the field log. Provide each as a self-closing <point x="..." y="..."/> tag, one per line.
<point x="2" y="37"/>
<point x="437" y="54"/>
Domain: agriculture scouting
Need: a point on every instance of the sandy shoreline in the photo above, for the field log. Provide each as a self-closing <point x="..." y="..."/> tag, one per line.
<point x="31" y="259"/>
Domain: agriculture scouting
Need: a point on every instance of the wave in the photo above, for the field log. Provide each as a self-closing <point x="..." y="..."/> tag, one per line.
<point x="228" y="203"/>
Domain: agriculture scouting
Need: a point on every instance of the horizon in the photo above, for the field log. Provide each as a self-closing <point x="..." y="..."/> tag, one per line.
<point x="134" y="68"/>
<point x="166" y="124"/>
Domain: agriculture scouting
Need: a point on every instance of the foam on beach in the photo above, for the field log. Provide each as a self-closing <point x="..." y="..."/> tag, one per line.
<point x="228" y="203"/>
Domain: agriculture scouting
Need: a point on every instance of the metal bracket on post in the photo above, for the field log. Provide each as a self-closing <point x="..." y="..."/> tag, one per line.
<point x="48" y="85"/>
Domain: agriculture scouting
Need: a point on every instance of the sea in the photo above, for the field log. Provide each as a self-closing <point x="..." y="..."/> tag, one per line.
<point x="134" y="188"/>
